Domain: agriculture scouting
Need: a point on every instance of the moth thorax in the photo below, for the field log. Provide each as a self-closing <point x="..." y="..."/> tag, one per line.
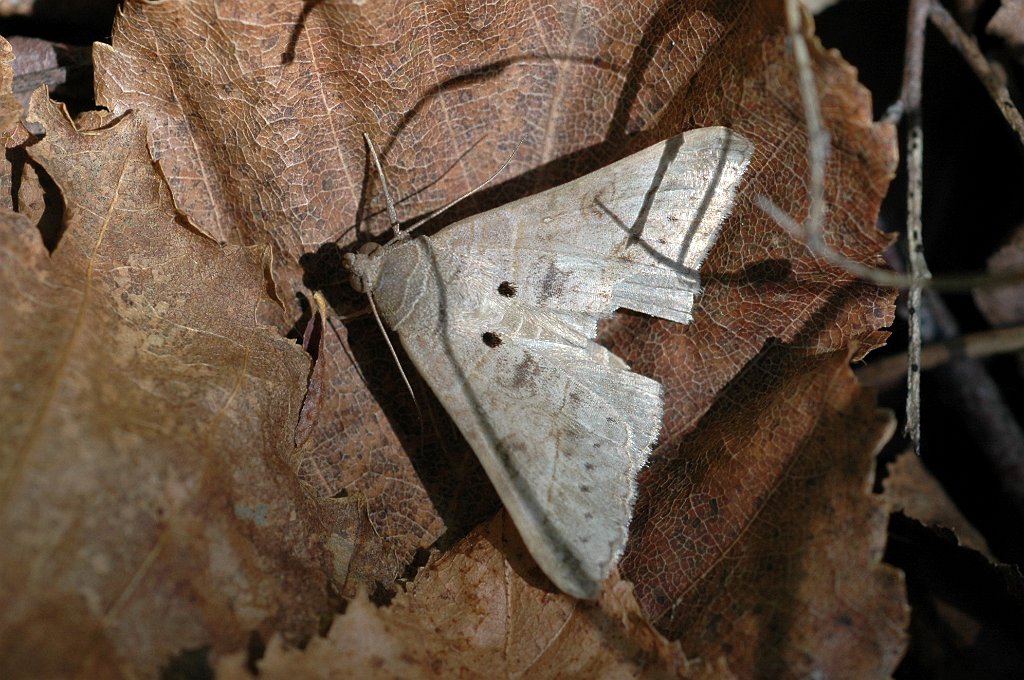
<point x="405" y="283"/>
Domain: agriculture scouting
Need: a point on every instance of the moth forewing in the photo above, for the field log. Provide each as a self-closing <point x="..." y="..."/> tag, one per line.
<point x="499" y="313"/>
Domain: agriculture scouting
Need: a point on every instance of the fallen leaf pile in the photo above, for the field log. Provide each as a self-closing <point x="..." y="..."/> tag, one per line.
<point x="179" y="478"/>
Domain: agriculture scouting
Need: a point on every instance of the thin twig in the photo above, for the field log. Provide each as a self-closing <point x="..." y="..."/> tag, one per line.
<point x="812" y="231"/>
<point x="955" y="283"/>
<point x="917" y="17"/>
<point x="817" y="156"/>
<point x="909" y="103"/>
<point x="888" y="372"/>
<point x="913" y="65"/>
<point x="818" y="137"/>
<point x="880" y="277"/>
<point x="968" y="48"/>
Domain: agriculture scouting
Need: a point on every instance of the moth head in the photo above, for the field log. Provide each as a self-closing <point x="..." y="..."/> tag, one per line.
<point x="360" y="266"/>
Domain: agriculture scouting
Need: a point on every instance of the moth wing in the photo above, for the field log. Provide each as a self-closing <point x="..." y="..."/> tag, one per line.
<point x="632" y="234"/>
<point x="499" y="313"/>
<point x="561" y="429"/>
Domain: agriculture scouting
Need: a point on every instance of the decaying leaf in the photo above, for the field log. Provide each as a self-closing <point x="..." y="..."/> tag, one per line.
<point x="10" y="109"/>
<point x="65" y="70"/>
<point x="146" y="501"/>
<point x="912" y="490"/>
<point x="756" y="536"/>
<point x="256" y="115"/>
<point x="484" y="610"/>
<point x="1004" y="305"/>
<point x="757" y="540"/>
<point x="1008" y="24"/>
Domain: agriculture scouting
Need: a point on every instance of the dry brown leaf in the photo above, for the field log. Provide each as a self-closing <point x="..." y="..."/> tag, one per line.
<point x="22" y="186"/>
<point x="66" y="71"/>
<point x="26" y="188"/>
<point x="756" y="537"/>
<point x="9" y="116"/>
<point x="1004" y="305"/>
<point x="912" y="490"/>
<point x="1008" y="23"/>
<point x="146" y="501"/>
<point x="256" y="111"/>
<point x="483" y="610"/>
<point x="10" y="108"/>
<point x="425" y="82"/>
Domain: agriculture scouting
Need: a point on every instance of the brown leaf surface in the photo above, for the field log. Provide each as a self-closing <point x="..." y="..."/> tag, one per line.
<point x="9" y="116"/>
<point x="10" y="109"/>
<point x="65" y="70"/>
<point x="29" y="190"/>
<point x="1008" y="24"/>
<point x="912" y="490"/>
<point x="256" y="111"/>
<point x="146" y="502"/>
<point x="1004" y="305"/>
<point x="483" y="610"/>
<point x="756" y="536"/>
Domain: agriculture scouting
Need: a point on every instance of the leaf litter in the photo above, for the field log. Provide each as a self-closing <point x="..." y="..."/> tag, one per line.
<point x="253" y="114"/>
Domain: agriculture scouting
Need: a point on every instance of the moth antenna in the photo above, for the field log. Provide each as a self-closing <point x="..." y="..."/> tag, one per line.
<point x="469" y="193"/>
<point x="392" y="213"/>
<point x="394" y="356"/>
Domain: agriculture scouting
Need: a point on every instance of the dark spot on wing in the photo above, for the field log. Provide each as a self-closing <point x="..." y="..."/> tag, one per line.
<point x="588" y="466"/>
<point x="588" y="515"/>
<point x="491" y="339"/>
<point x="507" y="289"/>
<point x="553" y="283"/>
<point x="584" y="488"/>
<point x="525" y="373"/>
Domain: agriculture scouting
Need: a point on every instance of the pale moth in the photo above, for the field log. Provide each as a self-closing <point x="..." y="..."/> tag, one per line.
<point x="499" y="313"/>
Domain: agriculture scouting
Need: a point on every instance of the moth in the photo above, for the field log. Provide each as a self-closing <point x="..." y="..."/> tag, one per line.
<point x="499" y="315"/>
